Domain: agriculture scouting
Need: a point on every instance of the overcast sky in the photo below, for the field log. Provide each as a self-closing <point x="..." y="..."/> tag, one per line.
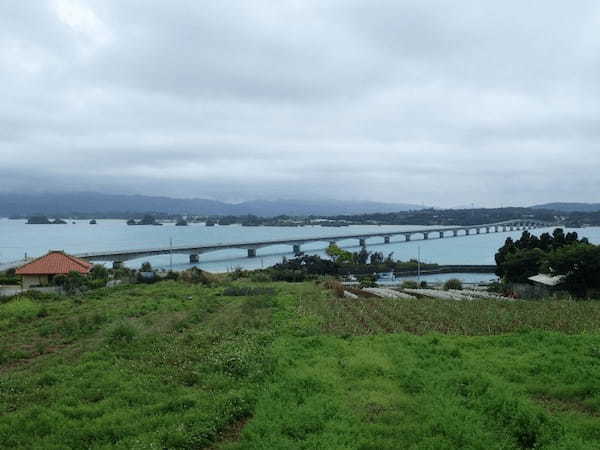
<point x="439" y="102"/>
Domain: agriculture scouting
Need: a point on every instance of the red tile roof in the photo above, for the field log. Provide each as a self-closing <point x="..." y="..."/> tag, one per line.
<point x="55" y="262"/>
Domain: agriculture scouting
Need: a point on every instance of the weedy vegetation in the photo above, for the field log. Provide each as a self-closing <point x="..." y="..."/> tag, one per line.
<point x="272" y="365"/>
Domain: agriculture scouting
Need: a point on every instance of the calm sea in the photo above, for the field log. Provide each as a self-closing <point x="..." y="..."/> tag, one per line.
<point x="18" y="239"/>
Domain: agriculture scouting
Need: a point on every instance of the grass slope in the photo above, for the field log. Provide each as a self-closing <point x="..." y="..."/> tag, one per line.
<point x="286" y="366"/>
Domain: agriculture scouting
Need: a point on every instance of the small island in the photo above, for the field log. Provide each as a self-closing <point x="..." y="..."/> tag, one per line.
<point x="181" y="222"/>
<point x="93" y="222"/>
<point x="43" y="220"/>
<point x="146" y="220"/>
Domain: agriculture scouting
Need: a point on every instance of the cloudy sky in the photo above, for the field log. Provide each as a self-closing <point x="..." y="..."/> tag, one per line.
<point x="441" y="102"/>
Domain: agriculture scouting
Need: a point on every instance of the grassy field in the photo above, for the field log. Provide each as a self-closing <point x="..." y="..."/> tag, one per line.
<point x="289" y="366"/>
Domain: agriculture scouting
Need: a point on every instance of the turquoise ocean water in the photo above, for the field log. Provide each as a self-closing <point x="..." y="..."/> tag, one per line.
<point x="18" y="239"/>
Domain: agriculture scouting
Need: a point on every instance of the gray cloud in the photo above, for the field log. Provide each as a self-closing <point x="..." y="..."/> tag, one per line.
<point x="410" y="101"/>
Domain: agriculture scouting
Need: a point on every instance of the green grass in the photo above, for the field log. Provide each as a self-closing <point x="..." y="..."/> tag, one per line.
<point x="289" y="366"/>
<point x="473" y="318"/>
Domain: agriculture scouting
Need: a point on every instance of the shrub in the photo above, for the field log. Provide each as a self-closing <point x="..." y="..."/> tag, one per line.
<point x="99" y="272"/>
<point x="146" y="277"/>
<point x="453" y="283"/>
<point x="96" y="283"/>
<point x="123" y="273"/>
<point x="368" y="281"/>
<point x="260" y="277"/>
<point x="171" y="275"/>
<point x="237" y="273"/>
<point x="289" y="275"/>
<point x="335" y="286"/>
<point x="409" y="284"/>
<point x="9" y="277"/>
<point x="71" y="283"/>
<point x="122" y="333"/>
<point x="197" y="276"/>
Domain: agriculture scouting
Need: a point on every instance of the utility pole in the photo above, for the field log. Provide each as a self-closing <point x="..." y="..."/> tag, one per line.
<point x="171" y="253"/>
<point x="419" y="265"/>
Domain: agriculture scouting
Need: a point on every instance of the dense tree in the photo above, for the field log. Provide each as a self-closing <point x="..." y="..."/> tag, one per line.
<point x="362" y="257"/>
<point x="99" y="272"/>
<point x="298" y="269"/>
<point x="376" y="258"/>
<point x="580" y="265"/>
<point x="338" y="255"/>
<point x="521" y="265"/>
<point x="558" y="253"/>
<point x="71" y="283"/>
<point x="520" y="259"/>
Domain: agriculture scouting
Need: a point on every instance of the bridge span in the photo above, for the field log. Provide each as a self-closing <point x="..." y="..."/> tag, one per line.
<point x="117" y="257"/>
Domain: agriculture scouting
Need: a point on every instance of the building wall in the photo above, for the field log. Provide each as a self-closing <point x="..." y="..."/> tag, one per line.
<point x="34" y="280"/>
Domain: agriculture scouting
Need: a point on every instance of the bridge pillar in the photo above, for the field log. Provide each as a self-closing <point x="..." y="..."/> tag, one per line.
<point x="512" y="228"/>
<point x="407" y="237"/>
<point x="477" y="230"/>
<point x="251" y="253"/>
<point x="194" y="258"/>
<point x="441" y="235"/>
<point x="386" y="239"/>
<point x="425" y="236"/>
<point x="362" y="242"/>
<point x="297" y="250"/>
<point x="117" y="265"/>
<point x="487" y="229"/>
<point x="455" y="233"/>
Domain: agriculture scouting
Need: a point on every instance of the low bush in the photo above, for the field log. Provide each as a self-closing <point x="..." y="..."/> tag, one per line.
<point x="171" y="275"/>
<point x="335" y="286"/>
<point x="96" y="283"/>
<point x="409" y="284"/>
<point x="122" y="333"/>
<point x="368" y="281"/>
<point x="453" y="283"/>
<point x="237" y="273"/>
<point x="290" y="275"/>
<point x="73" y="282"/>
<point x="260" y="277"/>
<point x="197" y="276"/>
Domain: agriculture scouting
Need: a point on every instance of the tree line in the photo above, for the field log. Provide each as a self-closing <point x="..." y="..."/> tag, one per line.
<point x="557" y="254"/>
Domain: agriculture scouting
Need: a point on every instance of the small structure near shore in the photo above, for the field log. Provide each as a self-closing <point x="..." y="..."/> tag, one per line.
<point x="548" y="281"/>
<point x="546" y="284"/>
<point x="41" y="271"/>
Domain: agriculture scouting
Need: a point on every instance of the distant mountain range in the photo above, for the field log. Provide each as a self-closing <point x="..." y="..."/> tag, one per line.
<point x="69" y="204"/>
<point x="567" y="207"/>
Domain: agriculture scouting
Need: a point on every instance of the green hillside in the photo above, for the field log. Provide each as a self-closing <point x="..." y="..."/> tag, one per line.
<point x="242" y="365"/>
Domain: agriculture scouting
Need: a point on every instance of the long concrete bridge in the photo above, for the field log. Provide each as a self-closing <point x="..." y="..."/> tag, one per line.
<point x="117" y="257"/>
